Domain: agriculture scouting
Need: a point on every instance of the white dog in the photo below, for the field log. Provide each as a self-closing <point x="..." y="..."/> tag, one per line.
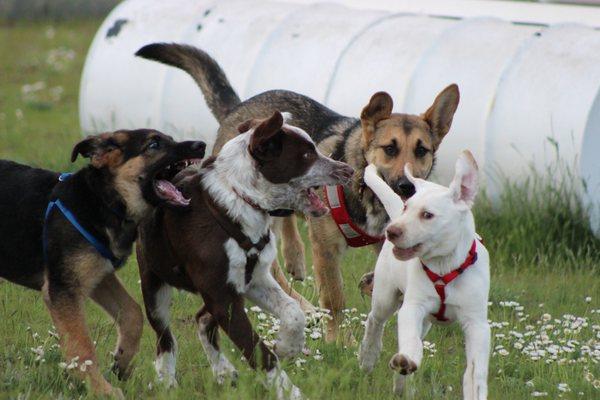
<point x="443" y="273"/>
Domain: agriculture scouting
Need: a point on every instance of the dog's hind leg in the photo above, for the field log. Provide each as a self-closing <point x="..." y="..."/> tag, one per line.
<point x="67" y="312"/>
<point x="477" y="343"/>
<point x="268" y="295"/>
<point x="157" y="300"/>
<point x="233" y="320"/>
<point x="114" y="299"/>
<point x="386" y="300"/>
<point x="292" y="247"/>
<point x="208" y="333"/>
<point x="328" y="247"/>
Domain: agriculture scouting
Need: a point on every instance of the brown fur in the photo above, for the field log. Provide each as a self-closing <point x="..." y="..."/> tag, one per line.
<point x="108" y="198"/>
<point x="366" y="145"/>
<point x="126" y="183"/>
<point x="356" y="142"/>
<point x="415" y="138"/>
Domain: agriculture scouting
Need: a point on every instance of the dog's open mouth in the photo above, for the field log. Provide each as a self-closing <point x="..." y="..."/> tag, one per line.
<point x="316" y="207"/>
<point x="406" y="253"/>
<point x="164" y="187"/>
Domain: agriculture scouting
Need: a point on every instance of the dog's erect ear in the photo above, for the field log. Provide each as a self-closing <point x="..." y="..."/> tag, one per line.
<point x="100" y="149"/>
<point x="439" y="115"/>
<point x="263" y="133"/>
<point x="379" y="107"/>
<point x="465" y="183"/>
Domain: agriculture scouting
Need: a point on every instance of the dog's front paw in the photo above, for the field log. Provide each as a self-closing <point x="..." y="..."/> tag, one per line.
<point x="167" y="380"/>
<point x="223" y="371"/>
<point x="293" y="255"/>
<point x="296" y="268"/>
<point x="366" y="358"/>
<point x="366" y="283"/>
<point x="402" y="364"/>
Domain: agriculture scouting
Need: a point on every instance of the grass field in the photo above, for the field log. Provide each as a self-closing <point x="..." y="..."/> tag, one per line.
<point x="544" y="301"/>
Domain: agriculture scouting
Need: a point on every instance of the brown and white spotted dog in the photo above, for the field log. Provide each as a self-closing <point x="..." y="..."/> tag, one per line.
<point x="44" y="247"/>
<point x="222" y="247"/>
<point x="380" y="137"/>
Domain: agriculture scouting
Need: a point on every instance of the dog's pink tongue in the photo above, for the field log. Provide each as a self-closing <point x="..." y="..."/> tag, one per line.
<point x="169" y="192"/>
<point x="317" y="207"/>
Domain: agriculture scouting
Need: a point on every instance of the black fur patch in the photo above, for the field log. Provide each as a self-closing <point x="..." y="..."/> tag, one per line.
<point x="114" y="30"/>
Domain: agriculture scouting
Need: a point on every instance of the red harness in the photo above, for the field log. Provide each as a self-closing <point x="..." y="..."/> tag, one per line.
<point x="440" y="287"/>
<point x="355" y="237"/>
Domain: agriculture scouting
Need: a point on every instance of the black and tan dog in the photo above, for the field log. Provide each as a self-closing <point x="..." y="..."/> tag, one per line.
<point x="67" y="234"/>
<point x="380" y="137"/>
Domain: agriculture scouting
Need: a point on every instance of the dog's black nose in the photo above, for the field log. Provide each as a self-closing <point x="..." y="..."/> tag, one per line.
<point x="405" y="188"/>
<point x="198" y="146"/>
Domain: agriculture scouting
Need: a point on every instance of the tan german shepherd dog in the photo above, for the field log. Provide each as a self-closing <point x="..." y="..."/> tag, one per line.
<point x="380" y="137"/>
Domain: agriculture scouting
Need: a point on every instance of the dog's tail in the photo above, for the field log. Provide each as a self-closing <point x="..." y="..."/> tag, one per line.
<point x="217" y="91"/>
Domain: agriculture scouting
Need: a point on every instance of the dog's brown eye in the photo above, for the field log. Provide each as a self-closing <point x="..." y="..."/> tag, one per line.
<point x="390" y="150"/>
<point x="155" y="144"/>
<point x="421" y="151"/>
<point x="308" y="156"/>
<point x="426" y="215"/>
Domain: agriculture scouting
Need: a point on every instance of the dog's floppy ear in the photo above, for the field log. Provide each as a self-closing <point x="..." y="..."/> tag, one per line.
<point x="261" y="142"/>
<point x="87" y="147"/>
<point x="100" y="149"/>
<point x="439" y="115"/>
<point x="465" y="183"/>
<point x="247" y="125"/>
<point x="379" y="107"/>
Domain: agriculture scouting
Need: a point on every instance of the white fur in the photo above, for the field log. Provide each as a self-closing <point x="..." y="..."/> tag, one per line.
<point x="284" y="388"/>
<point x="445" y="241"/>
<point x="165" y="367"/>
<point x="235" y="168"/>
<point x="220" y="365"/>
<point x="265" y="292"/>
<point x="165" y="362"/>
<point x="162" y="299"/>
<point x="236" y="274"/>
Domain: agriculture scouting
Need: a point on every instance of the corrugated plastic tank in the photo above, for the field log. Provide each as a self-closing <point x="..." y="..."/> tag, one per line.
<point x="526" y="88"/>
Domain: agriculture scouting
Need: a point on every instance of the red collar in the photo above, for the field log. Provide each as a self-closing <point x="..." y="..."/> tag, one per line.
<point x="355" y="237"/>
<point x="440" y="282"/>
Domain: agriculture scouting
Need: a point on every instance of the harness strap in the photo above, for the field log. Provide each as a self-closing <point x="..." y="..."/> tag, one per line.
<point x="354" y="235"/>
<point x="440" y="281"/>
<point x="99" y="246"/>
<point x="234" y="230"/>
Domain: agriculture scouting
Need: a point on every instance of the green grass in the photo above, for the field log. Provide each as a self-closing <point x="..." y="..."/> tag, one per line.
<point x="543" y="257"/>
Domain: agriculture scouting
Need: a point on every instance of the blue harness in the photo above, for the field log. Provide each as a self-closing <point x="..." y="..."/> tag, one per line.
<point x="101" y="248"/>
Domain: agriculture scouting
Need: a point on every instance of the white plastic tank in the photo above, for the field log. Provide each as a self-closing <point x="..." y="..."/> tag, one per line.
<point x="526" y="87"/>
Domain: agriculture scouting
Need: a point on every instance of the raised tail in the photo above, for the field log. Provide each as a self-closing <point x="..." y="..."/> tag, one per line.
<point x="217" y="91"/>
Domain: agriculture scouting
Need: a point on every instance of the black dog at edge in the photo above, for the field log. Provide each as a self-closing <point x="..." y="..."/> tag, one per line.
<point x="67" y="234"/>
